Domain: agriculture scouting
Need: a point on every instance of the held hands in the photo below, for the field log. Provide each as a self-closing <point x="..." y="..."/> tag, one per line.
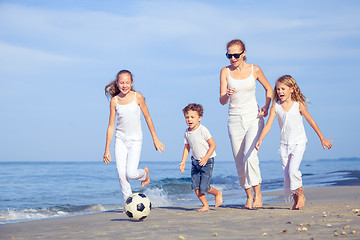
<point x="263" y="112"/>
<point x="159" y="146"/>
<point x="326" y="143"/>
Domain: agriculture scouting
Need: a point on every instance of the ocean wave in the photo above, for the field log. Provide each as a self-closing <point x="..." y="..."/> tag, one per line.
<point x="22" y="215"/>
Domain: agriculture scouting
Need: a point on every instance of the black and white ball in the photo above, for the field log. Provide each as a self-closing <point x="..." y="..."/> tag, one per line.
<point x="137" y="206"/>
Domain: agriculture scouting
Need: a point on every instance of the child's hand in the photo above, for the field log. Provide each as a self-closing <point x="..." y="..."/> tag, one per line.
<point x="107" y="158"/>
<point x="203" y="161"/>
<point x="230" y="91"/>
<point x="326" y="143"/>
<point x="159" y="146"/>
<point x="182" y="167"/>
<point x="258" y="144"/>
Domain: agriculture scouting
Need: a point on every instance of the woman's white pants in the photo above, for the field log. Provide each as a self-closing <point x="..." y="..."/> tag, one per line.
<point x="244" y="132"/>
<point x="291" y="157"/>
<point x="127" y="155"/>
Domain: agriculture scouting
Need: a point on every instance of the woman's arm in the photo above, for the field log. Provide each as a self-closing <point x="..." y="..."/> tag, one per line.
<point x="260" y="76"/>
<point x="141" y="102"/>
<point x="225" y="93"/>
<point x="110" y="131"/>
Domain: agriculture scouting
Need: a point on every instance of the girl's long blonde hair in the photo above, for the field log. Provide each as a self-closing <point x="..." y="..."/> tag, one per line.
<point x="296" y="95"/>
<point x="112" y="89"/>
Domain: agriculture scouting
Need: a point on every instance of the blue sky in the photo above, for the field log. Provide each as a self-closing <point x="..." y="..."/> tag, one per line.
<point x="57" y="56"/>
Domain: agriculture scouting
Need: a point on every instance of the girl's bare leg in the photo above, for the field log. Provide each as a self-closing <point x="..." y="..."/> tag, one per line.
<point x="301" y="198"/>
<point x="147" y="179"/>
<point x="258" y="198"/>
<point x="295" y="196"/>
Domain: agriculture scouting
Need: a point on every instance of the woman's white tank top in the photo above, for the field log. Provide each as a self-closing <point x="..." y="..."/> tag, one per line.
<point x="291" y="125"/>
<point x="128" y="121"/>
<point x="243" y="101"/>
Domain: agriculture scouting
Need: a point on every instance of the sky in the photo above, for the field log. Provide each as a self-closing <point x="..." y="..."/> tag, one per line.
<point x="57" y="56"/>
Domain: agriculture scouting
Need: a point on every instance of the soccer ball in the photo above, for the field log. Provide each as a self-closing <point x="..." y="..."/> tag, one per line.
<point x="137" y="206"/>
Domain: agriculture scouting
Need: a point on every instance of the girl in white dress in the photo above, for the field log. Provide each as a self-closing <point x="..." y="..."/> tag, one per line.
<point x="289" y="104"/>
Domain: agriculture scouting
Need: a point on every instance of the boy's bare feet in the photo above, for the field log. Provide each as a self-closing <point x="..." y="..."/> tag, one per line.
<point x="218" y="199"/>
<point x="258" y="202"/>
<point x="249" y="203"/>
<point x="147" y="179"/>
<point x="204" y="209"/>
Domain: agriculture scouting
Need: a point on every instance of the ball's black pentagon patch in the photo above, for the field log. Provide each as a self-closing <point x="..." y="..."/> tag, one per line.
<point x="142" y="195"/>
<point x="129" y="214"/>
<point x="129" y="200"/>
<point x="143" y="217"/>
<point x="140" y="207"/>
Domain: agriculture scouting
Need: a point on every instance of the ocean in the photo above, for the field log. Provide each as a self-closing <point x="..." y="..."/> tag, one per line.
<point x="38" y="190"/>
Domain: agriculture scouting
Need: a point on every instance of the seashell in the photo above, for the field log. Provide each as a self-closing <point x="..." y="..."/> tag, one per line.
<point x="346" y="227"/>
<point x="180" y="237"/>
<point x="265" y="234"/>
<point x="356" y="210"/>
<point x="284" y="231"/>
<point x="353" y="232"/>
<point x="215" y="234"/>
<point x="335" y="234"/>
<point x="344" y="233"/>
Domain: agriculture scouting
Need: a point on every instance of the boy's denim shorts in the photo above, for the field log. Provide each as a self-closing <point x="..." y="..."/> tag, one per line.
<point x="201" y="175"/>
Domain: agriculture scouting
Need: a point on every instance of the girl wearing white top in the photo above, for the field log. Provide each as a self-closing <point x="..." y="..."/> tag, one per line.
<point x="245" y="122"/>
<point x="290" y="105"/>
<point x="126" y="105"/>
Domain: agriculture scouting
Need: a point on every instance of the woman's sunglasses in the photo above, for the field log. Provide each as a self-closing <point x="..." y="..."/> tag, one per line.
<point x="236" y="55"/>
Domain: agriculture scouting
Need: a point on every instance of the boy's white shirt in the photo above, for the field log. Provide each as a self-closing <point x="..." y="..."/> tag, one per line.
<point x="197" y="140"/>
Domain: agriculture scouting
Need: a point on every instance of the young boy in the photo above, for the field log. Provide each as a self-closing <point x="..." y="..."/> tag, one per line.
<point x="198" y="138"/>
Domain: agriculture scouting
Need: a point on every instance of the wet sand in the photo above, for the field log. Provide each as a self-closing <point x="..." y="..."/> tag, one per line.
<point x="330" y="213"/>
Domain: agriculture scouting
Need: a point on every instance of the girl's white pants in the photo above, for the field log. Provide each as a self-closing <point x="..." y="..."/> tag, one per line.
<point x="127" y="155"/>
<point x="291" y="157"/>
<point x="244" y="132"/>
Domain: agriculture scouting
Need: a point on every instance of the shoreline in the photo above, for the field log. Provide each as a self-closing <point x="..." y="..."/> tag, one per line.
<point x="329" y="211"/>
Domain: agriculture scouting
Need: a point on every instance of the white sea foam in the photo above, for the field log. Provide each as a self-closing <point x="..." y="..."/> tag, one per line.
<point x="158" y="197"/>
<point x="22" y="215"/>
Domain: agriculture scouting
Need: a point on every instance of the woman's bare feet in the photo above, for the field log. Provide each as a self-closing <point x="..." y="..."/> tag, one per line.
<point x="218" y="199"/>
<point x="249" y="203"/>
<point x="258" y="202"/>
<point x="147" y="179"/>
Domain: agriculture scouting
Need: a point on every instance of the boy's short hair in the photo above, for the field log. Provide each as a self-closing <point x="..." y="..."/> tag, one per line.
<point x="194" y="107"/>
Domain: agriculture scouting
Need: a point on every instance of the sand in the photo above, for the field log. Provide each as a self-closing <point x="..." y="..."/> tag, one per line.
<point x="330" y="213"/>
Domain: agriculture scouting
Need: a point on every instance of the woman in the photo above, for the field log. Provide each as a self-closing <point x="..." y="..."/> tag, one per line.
<point x="245" y="122"/>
